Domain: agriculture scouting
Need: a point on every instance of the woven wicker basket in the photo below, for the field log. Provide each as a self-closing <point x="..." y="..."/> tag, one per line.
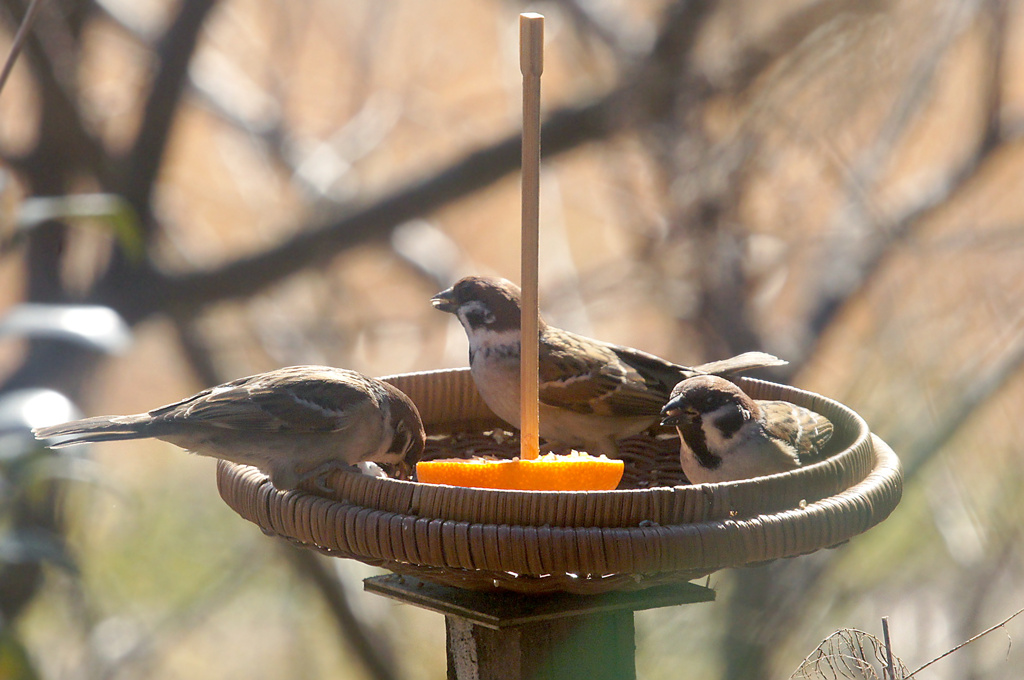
<point x="654" y="529"/>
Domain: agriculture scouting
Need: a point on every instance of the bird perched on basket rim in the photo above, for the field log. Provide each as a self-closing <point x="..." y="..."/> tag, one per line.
<point x="725" y="435"/>
<point x="294" y="424"/>
<point x="592" y="393"/>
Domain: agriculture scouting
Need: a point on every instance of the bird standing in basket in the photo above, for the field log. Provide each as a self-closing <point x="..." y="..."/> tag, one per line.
<point x="724" y="435"/>
<point x="592" y="393"/>
<point x="294" y="424"/>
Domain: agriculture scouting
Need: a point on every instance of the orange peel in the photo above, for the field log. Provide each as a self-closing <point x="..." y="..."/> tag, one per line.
<point x="549" y="472"/>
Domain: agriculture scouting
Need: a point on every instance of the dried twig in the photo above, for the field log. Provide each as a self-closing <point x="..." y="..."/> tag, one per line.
<point x="967" y="642"/>
<point x="19" y="42"/>
<point x="850" y="654"/>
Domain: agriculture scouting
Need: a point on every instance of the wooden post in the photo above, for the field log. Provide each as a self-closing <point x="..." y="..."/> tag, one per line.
<point x="531" y="63"/>
<point x="509" y="636"/>
<point x="595" y="647"/>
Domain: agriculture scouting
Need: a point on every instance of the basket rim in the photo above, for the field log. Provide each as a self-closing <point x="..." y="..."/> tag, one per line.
<point x="600" y="558"/>
<point x="660" y="504"/>
<point x="725" y="524"/>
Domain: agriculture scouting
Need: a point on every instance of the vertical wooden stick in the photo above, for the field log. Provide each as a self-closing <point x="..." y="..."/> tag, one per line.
<point x="890" y="672"/>
<point x="531" y="63"/>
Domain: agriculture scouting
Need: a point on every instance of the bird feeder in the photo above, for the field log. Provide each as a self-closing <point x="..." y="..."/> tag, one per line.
<point x="594" y="556"/>
<point x="655" y="529"/>
<point x="543" y="584"/>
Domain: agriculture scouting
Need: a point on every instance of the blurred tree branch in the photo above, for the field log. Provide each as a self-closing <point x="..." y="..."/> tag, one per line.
<point x="19" y="41"/>
<point x="373" y="651"/>
<point x="142" y="291"/>
<point x="838" y="290"/>
<point x="647" y="88"/>
<point x="315" y="245"/>
<point x="173" y="55"/>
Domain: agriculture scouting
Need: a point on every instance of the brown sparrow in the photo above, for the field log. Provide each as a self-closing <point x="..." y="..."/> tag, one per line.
<point x="294" y="424"/>
<point x="725" y="435"/>
<point x="592" y="393"/>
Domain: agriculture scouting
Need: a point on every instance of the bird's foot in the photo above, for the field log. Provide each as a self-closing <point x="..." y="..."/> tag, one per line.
<point x="318" y="476"/>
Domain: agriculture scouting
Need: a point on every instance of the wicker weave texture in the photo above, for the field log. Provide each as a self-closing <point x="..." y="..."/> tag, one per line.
<point x="578" y="541"/>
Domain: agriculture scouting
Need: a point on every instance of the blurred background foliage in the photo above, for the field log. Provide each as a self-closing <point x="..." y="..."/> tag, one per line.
<point x="251" y="184"/>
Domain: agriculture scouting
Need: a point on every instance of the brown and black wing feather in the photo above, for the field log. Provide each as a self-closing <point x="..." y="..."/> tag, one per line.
<point x="302" y="400"/>
<point x="588" y="376"/>
<point x="297" y="399"/>
<point x="581" y="375"/>
<point x="806" y="430"/>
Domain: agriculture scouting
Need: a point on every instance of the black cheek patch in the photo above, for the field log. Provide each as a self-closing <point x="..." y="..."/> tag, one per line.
<point x="693" y="435"/>
<point x="478" y="318"/>
<point x="730" y="423"/>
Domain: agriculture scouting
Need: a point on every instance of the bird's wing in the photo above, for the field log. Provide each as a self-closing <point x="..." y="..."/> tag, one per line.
<point x="587" y="376"/>
<point x="806" y="430"/>
<point x="294" y="401"/>
<point x="739" y="363"/>
<point x="650" y="379"/>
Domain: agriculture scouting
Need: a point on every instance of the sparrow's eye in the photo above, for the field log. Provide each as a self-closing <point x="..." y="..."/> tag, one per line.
<point x="401" y="440"/>
<point x="477" y="314"/>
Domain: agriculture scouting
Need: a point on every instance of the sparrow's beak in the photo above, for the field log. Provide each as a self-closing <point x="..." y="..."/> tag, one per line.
<point x="403" y="470"/>
<point x="444" y="301"/>
<point x="671" y="416"/>
<point x="674" y="414"/>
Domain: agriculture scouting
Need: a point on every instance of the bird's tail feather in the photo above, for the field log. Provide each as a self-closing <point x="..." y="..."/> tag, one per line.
<point x="98" y="429"/>
<point x="740" y="362"/>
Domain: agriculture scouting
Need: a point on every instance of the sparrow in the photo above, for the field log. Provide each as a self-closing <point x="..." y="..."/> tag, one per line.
<point x="724" y="435"/>
<point x="592" y="393"/>
<point x="294" y="424"/>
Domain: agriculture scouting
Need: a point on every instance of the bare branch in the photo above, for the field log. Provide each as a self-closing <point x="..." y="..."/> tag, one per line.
<point x="174" y="54"/>
<point x="565" y="129"/>
<point x="315" y="246"/>
<point x="379" y="664"/>
<point x="843" y="290"/>
<point x="19" y="42"/>
<point x="963" y="644"/>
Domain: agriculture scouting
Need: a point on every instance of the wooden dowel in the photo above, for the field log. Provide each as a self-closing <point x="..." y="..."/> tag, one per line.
<point x="890" y="671"/>
<point x="531" y="63"/>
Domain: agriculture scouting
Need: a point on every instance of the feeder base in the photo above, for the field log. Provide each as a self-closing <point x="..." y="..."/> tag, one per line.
<point x="563" y="636"/>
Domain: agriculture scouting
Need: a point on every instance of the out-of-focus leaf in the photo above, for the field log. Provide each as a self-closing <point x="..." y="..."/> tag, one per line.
<point x="97" y="327"/>
<point x="68" y="466"/>
<point x="34" y="545"/>
<point x="35" y="407"/>
<point x="16" y="445"/>
<point x="15" y="663"/>
<point x="111" y="208"/>
<point x="23" y="460"/>
<point x="21" y="410"/>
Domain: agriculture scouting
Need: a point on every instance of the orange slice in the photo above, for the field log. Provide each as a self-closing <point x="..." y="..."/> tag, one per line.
<point x="550" y="472"/>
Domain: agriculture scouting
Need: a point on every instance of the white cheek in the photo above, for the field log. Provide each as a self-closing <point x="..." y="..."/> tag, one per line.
<point x="712" y="435"/>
